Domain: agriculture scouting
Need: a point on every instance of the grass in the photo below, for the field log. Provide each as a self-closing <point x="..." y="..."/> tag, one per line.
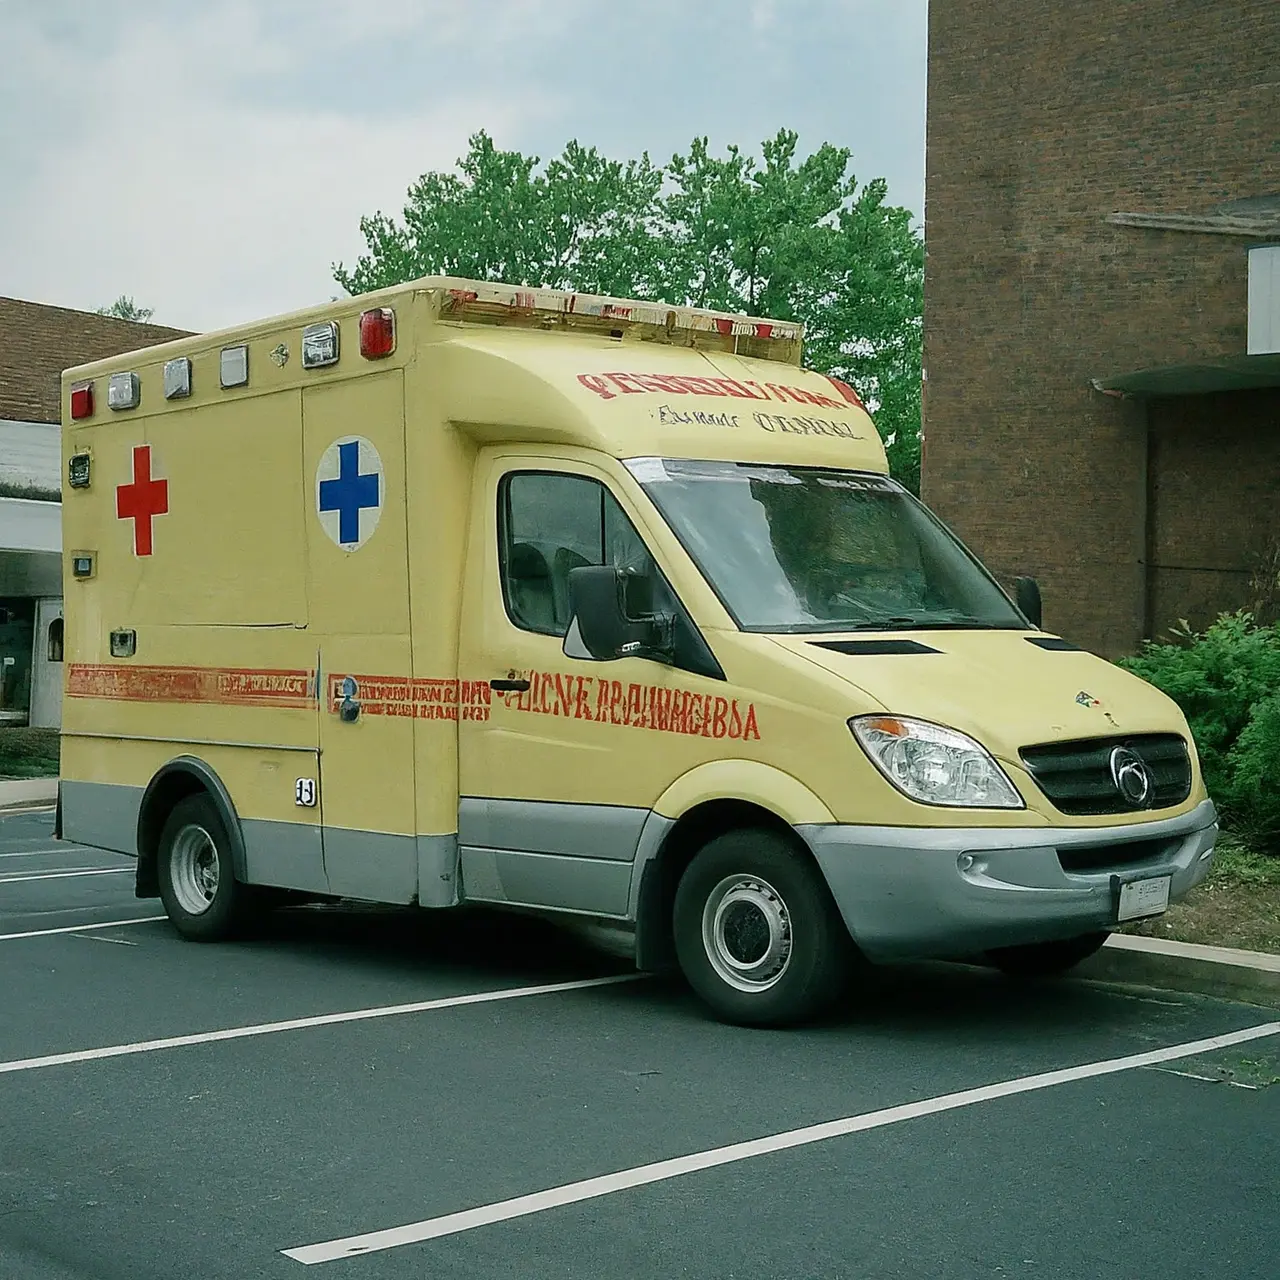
<point x="1238" y="905"/>
<point x="28" y="753"/>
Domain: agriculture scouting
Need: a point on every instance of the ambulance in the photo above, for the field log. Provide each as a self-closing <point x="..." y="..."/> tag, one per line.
<point x="466" y="593"/>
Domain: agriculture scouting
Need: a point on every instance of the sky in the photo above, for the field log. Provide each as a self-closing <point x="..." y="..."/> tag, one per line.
<point x="212" y="158"/>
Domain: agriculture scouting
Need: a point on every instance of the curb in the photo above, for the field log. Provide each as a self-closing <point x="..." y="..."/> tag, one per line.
<point x="23" y="793"/>
<point x="1249" y="976"/>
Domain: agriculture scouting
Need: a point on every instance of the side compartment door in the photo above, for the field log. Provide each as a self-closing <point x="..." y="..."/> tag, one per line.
<point x="359" y="609"/>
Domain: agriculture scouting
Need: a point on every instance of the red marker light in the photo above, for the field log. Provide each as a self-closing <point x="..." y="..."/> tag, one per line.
<point x="377" y="333"/>
<point x="82" y="400"/>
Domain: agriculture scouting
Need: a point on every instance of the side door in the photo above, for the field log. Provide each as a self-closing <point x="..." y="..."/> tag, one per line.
<point x="558" y="779"/>
<point x="358" y="594"/>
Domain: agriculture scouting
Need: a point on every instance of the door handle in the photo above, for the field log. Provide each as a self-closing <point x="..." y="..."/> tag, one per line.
<point x="509" y="686"/>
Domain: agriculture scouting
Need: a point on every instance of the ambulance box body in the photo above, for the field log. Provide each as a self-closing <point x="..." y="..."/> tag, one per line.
<point x="464" y="593"/>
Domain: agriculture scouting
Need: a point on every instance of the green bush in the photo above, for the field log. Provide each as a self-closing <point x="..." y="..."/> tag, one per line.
<point x="1227" y="682"/>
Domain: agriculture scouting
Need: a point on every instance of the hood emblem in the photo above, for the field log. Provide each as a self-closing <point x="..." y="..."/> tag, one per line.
<point x="1132" y="777"/>
<point x="1087" y="699"/>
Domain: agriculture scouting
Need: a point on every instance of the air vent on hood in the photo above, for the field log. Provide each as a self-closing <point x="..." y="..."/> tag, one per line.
<point x="1056" y="643"/>
<point x="866" y="648"/>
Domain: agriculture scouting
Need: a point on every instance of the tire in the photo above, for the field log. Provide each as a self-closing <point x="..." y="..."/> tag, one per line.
<point x="197" y="882"/>
<point x="756" y="932"/>
<point x="1046" y="959"/>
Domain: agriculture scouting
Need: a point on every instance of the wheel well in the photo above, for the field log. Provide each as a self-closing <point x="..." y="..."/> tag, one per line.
<point x="655" y="948"/>
<point x="161" y="797"/>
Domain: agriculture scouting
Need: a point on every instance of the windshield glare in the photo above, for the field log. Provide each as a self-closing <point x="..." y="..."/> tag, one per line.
<point x="805" y="549"/>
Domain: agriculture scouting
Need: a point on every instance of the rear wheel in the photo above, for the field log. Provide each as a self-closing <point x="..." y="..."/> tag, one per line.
<point x="1046" y="959"/>
<point x="197" y="884"/>
<point x="756" y="932"/>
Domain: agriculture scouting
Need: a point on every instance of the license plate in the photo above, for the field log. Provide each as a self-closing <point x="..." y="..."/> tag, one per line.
<point x="1140" y="898"/>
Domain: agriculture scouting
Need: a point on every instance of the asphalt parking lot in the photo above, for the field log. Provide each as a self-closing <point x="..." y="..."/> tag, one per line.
<point x="370" y="1094"/>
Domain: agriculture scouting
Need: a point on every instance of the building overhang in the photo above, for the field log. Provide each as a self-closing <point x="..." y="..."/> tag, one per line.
<point x="1231" y="373"/>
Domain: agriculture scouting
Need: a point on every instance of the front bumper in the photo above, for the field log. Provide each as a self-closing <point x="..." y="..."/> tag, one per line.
<point x="948" y="892"/>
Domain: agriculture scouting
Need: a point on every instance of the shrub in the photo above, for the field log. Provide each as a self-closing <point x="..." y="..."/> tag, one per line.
<point x="1227" y="682"/>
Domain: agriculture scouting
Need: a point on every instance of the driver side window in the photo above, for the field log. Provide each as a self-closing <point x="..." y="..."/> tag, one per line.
<point x="550" y="523"/>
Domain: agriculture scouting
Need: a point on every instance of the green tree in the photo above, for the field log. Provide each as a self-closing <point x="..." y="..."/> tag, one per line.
<point x="124" y="308"/>
<point x="786" y="238"/>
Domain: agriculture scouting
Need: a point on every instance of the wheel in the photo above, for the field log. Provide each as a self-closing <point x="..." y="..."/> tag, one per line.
<point x="197" y="885"/>
<point x="756" y="932"/>
<point x="1046" y="959"/>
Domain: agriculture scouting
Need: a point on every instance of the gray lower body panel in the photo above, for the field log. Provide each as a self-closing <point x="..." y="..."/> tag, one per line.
<point x="916" y="893"/>
<point x="371" y="865"/>
<point x="285" y="855"/>
<point x="589" y="886"/>
<point x="101" y="815"/>
<point x="562" y="857"/>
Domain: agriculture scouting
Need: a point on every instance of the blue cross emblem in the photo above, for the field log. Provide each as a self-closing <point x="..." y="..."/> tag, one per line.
<point x="350" y="493"/>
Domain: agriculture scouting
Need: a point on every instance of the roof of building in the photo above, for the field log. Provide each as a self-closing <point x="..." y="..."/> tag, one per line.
<point x="38" y="342"/>
<point x="30" y="526"/>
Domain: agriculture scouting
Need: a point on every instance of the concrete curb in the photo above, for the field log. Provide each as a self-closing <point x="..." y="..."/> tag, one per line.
<point x="26" y="792"/>
<point x="1250" y="976"/>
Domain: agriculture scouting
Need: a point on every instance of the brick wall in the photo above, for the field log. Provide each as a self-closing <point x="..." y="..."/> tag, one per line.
<point x="1043" y="118"/>
<point x="37" y="343"/>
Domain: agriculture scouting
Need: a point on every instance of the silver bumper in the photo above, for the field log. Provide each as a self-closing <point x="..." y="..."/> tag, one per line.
<point x="917" y="893"/>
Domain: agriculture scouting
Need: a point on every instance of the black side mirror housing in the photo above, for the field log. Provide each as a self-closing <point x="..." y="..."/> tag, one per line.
<point x="1028" y="600"/>
<point x="597" y="610"/>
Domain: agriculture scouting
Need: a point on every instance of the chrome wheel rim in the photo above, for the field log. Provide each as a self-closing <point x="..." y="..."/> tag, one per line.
<point x="746" y="932"/>
<point x="195" y="869"/>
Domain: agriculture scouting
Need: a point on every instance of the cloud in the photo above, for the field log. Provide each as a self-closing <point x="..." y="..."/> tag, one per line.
<point x="173" y="180"/>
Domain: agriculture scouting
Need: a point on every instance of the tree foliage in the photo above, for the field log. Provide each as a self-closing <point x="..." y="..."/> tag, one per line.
<point x="780" y="236"/>
<point x="124" y="308"/>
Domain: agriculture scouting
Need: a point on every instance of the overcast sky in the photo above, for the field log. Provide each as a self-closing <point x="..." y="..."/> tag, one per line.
<point x="212" y="159"/>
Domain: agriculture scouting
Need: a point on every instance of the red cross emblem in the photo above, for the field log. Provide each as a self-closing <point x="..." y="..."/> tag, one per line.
<point x="142" y="499"/>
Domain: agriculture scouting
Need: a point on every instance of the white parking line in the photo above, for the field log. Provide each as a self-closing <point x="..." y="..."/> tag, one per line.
<point x="322" y="1020"/>
<point x="38" y="853"/>
<point x="79" y="928"/>
<point x="69" y="874"/>
<point x="662" y="1170"/>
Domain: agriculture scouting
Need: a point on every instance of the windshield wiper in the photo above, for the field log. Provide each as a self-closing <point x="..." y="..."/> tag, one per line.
<point x="927" y="624"/>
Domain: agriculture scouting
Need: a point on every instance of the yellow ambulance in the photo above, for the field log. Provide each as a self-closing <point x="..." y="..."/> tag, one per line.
<point x="469" y="593"/>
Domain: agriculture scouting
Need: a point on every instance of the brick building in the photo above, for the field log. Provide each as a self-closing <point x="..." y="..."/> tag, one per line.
<point x="1103" y="384"/>
<point x="36" y="344"/>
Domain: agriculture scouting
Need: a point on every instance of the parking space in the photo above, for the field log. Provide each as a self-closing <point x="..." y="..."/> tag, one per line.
<point x="496" y="1097"/>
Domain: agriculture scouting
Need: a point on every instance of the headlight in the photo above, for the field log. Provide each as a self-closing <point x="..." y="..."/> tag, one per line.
<point x="935" y="765"/>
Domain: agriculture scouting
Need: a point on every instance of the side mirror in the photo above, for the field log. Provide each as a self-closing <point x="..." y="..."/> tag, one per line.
<point x="1028" y="600"/>
<point x="599" y="624"/>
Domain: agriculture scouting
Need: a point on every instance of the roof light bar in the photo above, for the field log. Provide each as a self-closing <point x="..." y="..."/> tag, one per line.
<point x="557" y="302"/>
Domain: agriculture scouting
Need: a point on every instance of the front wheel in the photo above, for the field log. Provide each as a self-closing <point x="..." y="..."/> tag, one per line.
<point x="1046" y="959"/>
<point x="197" y="884"/>
<point x="756" y="932"/>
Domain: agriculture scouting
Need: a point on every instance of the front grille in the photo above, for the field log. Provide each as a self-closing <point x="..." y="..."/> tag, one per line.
<point x="1076" y="776"/>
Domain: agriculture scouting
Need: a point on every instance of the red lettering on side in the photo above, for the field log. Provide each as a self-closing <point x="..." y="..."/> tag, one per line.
<point x="662" y="709"/>
<point x="547" y="708"/>
<point x="735" y="720"/>
<point x="635" y="706"/>
<point x="752" y="729"/>
<point x="625" y="382"/>
<point x="718" y="726"/>
<point x="617" y="701"/>
<point x="582" y="707"/>
<point x="593" y="382"/>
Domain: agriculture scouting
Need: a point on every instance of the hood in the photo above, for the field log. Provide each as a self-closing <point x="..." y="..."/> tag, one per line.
<point x="1007" y="689"/>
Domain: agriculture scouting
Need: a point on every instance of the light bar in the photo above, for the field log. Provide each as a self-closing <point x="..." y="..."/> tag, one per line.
<point x="558" y="302"/>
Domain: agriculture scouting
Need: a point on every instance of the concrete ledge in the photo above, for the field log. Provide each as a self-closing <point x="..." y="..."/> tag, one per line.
<point x="25" y="792"/>
<point x="1251" y="976"/>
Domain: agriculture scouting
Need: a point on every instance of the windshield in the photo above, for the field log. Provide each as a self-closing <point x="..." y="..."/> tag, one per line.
<point x="805" y="549"/>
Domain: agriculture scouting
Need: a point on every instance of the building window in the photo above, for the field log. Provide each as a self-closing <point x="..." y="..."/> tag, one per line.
<point x="55" y="640"/>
